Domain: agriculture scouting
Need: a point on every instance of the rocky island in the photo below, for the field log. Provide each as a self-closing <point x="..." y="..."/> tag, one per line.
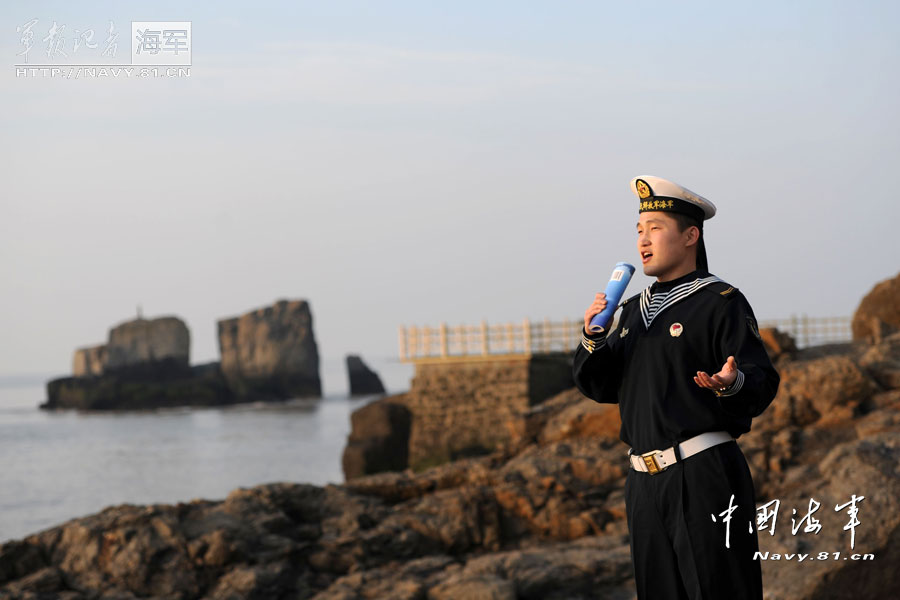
<point x="268" y="354"/>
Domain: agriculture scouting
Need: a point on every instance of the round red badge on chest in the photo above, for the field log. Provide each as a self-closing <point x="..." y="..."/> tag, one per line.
<point x="676" y="329"/>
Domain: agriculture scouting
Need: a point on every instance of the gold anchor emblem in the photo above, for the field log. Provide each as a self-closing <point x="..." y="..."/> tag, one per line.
<point x="624" y="332"/>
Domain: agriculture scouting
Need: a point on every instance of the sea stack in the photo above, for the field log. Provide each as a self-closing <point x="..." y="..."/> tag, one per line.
<point x="363" y="380"/>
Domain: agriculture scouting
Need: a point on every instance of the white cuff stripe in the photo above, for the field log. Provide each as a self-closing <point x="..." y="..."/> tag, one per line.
<point x="735" y="387"/>
<point x="591" y="345"/>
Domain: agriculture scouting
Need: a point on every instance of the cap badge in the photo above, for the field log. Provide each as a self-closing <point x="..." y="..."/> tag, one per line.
<point x="676" y="329"/>
<point x="642" y="188"/>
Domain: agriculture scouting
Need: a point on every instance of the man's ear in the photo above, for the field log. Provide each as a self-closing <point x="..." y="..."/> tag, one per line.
<point x="693" y="235"/>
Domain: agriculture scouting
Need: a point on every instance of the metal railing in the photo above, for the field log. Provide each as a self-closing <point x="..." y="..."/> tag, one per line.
<point x="813" y="331"/>
<point x="526" y="338"/>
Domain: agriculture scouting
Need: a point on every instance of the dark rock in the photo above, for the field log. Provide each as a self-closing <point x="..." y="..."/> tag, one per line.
<point x="379" y="438"/>
<point x="363" y="380"/>
<point x="162" y="384"/>
<point x="271" y="353"/>
<point x="777" y="343"/>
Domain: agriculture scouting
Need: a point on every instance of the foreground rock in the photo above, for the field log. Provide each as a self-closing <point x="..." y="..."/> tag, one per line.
<point x="379" y="438"/>
<point x="544" y="519"/>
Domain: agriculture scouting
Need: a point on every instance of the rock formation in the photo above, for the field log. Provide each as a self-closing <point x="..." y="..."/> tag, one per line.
<point x="143" y="365"/>
<point x="543" y="518"/>
<point x="878" y="314"/>
<point x="145" y="341"/>
<point x="379" y="438"/>
<point x="144" y="387"/>
<point x="89" y="362"/>
<point x="270" y="353"/>
<point x="136" y="343"/>
<point x="363" y="380"/>
<point x="777" y="343"/>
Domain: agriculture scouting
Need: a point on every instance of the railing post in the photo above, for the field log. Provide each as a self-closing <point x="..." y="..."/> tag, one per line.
<point x="413" y="341"/>
<point x="485" y="349"/>
<point x="443" y="333"/>
<point x="547" y="334"/>
<point x="526" y="336"/>
<point x="401" y="339"/>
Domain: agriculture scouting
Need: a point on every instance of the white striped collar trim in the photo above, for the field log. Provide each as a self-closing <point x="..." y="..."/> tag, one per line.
<point x="676" y="294"/>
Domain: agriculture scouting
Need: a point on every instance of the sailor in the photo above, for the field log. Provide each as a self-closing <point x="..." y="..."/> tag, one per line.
<point x="689" y="371"/>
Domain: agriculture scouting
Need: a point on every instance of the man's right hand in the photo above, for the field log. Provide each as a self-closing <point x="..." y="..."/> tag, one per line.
<point x="595" y="309"/>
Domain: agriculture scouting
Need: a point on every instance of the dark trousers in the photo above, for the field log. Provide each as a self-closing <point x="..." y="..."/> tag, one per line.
<point x="678" y="551"/>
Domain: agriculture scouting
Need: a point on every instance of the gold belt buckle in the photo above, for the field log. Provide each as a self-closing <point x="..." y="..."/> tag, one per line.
<point x="649" y="459"/>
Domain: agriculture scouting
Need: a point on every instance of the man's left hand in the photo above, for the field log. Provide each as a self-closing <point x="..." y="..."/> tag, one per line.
<point x="720" y="380"/>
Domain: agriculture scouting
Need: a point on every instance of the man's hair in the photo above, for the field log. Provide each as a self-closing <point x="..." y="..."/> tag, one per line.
<point x="684" y="221"/>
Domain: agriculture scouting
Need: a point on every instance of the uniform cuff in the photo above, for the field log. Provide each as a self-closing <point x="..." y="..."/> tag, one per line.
<point x="734" y="388"/>
<point x="592" y="341"/>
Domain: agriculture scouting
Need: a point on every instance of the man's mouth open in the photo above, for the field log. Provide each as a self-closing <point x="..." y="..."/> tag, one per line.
<point x="646" y="255"/>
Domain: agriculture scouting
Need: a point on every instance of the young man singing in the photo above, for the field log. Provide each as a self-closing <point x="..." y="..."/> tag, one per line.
<point x="688" y="370"/>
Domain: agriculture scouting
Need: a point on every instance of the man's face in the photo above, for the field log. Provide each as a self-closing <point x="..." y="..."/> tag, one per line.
<point x="663" y="249"/>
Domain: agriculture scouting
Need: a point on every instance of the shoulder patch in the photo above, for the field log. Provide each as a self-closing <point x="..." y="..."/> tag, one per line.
<point x="754" y="328"/>
<point x="720" y="288"/>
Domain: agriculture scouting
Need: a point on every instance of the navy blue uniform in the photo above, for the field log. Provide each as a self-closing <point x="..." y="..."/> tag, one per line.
<point x="646" y="365"/>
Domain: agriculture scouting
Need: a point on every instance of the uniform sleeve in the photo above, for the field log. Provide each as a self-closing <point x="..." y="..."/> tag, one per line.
<point x="594" y="368"/>
<point x="736" y="334"/>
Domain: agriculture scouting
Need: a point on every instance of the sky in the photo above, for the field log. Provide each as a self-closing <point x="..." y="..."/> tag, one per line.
<point x="408" y="163"/>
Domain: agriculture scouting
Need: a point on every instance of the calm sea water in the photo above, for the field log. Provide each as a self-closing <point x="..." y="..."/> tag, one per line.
<point x="61" y="465"/>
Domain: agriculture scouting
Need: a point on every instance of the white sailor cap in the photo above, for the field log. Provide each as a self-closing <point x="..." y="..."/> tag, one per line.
<point x="656" y="193"/>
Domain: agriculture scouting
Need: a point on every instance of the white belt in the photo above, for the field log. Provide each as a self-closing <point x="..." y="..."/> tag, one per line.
<point x="656" y="461"/>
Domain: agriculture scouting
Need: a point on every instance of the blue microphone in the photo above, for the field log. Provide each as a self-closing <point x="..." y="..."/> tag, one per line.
<point x="615" y="289"/>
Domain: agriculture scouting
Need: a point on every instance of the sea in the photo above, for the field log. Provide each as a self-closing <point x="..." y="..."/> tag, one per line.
<point x="61" y="465"/>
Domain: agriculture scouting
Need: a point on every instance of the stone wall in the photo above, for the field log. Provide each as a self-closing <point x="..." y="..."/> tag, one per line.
<point x="468" y="408"/>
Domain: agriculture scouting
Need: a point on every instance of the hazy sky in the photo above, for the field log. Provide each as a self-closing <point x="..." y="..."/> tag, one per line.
<point x="400" y="163"/>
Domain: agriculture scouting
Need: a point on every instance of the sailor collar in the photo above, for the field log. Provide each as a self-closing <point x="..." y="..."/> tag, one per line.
<point x="665" y="294"/>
